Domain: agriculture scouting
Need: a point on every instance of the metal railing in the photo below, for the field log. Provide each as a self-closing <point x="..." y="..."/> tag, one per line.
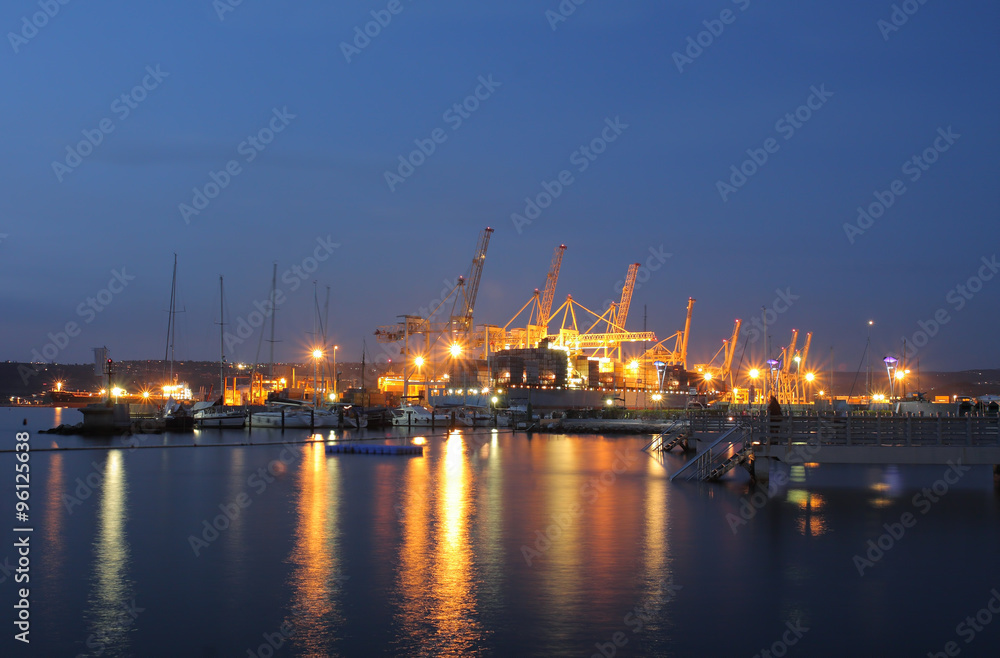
<point x="728" y="445"/>
<point x="861" y="430"/>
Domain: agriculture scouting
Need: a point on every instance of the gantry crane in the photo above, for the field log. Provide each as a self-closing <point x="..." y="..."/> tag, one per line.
<point x="550" y="286"/>
<point x="463" y="296"/>
<point x="787" y="383"/>
<point x="721" y="375"/>
<point x="620" y="316"/>
<point x="541" y="306"/>
<point x="462" y="322"/>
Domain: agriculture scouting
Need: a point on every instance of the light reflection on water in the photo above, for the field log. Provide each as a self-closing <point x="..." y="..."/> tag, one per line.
<point x="433" y="549"/>
<point x="112" y="587"/>
<point x="317" y="574"/>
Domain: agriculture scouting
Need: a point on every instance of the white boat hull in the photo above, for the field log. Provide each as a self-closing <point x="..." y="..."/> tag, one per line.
<point x="293" y="419"/>
<point x="221" y="421"/>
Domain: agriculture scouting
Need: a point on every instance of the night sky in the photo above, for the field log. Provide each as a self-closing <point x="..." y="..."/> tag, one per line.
<point x="290" y="121"/>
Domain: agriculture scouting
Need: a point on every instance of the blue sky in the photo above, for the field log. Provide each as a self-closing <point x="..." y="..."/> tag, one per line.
<point x="654" y="187"/>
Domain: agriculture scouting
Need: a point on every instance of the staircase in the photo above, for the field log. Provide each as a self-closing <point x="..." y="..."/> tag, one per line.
<point x="675" y="434"/>
<point x="731" y="449"/>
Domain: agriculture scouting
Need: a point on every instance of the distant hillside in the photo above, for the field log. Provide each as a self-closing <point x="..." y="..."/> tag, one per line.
<point x="132" y="374"/>
<point x="25" y="380"/>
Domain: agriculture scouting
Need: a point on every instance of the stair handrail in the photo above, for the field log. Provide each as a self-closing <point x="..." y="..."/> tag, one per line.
<point x="670" y="428"/>
<point x="702" y="462"/>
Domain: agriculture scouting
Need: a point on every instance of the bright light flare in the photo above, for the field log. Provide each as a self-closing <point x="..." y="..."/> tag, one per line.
<point x="419" y="361"/>
<point x="810" y="376"/>
<point x="317" y="354"/>
<point x="455" y="349"/>
<point x="754" y="373"/>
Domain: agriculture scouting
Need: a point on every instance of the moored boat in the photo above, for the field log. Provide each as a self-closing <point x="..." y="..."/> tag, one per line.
<point x="412" y="415"/>
<point x="218" y="416"/>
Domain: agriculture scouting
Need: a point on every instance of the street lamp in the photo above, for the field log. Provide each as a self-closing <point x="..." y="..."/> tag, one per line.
<point x="419" y="362"/>
<point x="810" y="377"/>
<point x="335" y="348"/>
<point x="317" y="355"/>
<point x="890" y="369"/>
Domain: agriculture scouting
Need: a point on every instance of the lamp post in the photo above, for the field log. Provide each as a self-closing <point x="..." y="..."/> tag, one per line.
<point x="754" y="374"/>
<point x="456" y="352"/>
<point x="868" y="351"/>
<point x="774" y="366"/>
<point x="419" y="362"/>
<point x="810" y="377"/>
<point x="335" y="396"/>
<point x="890" y="369"/>
<point x="317" y="355"/>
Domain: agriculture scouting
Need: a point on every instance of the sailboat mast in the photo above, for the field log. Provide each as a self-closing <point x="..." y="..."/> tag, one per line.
<point x="274" y="311"/>
<point x="171" y="321"/>
<point x="222" y="343"/>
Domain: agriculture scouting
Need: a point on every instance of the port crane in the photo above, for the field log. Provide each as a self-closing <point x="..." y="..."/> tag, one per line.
<point x="461" y="321"/>
<point x="787" y="374"/>
<point x="716" y="377"/>
<point x="541" y="306"/>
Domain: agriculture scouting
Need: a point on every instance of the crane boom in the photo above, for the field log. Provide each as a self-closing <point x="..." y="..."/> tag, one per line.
<point x="687" y="333"/>
<point x="464" y="321"/>
<point x="550" y="286"/>
<point x="621" y="314"/>
<point x="790" y="355"/>
<point x="731" y="349"/>
<point x="805" y="350"/>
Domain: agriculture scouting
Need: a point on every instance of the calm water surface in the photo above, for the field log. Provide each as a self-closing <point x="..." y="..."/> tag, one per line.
<point x="492" y="543"/>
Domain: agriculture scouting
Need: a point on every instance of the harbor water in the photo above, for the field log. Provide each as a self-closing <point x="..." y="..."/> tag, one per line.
<point x="493" y="543"/>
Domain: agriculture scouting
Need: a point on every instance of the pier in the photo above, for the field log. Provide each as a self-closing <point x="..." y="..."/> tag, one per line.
<point x="758" y="442"/>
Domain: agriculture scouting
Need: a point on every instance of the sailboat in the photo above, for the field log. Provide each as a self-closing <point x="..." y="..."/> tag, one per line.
<point x="218" y="414"/>
<point x="176" y="416"/>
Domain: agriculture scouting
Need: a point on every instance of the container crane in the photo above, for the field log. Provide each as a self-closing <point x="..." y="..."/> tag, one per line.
<point x="687" y="334"/>
<point x="550" y="286"/>
<point x="621" y="312"/>
<point x="463" y="322"/>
